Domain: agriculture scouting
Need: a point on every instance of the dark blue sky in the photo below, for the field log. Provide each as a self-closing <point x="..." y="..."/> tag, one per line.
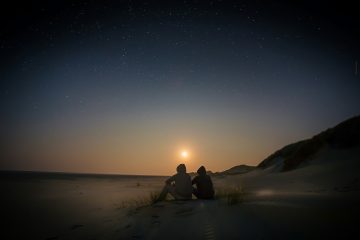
<point x="108" y="87"/>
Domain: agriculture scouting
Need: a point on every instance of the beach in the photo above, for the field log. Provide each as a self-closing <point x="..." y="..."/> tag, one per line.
<point x="68" y="206"/>
<point x="76" y="206"/>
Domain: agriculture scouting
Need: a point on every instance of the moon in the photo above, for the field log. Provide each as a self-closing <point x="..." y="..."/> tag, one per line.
<point x="184" y="154"/>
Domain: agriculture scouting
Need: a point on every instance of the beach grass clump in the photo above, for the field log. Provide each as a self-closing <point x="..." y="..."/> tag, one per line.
<point x="231" y="195"/>
<point x="140" y="202"/>
<point x="153" y="197"/>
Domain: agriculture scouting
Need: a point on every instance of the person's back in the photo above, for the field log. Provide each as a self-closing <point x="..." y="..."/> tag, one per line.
<point x="183" y="184"/>
<point x="178" y="185"/>
<point x="204" y="186"/>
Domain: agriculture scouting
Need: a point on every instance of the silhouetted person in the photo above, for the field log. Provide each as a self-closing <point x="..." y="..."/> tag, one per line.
<point x="179" y="185"/>
<point x="204" y="186"/>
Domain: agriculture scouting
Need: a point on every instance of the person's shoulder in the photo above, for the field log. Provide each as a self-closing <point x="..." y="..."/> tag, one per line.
<point x="176" y="175"/>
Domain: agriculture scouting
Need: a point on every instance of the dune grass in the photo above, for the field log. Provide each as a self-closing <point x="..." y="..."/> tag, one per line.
<point x="231" y="195"/>
<point x="140" y="201"/>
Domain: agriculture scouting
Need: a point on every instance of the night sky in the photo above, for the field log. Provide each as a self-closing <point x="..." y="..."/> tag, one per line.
<point x="123" y="86"/>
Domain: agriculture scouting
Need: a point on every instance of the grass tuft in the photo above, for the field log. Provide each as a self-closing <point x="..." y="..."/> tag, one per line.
<point x="140" y="201"/>
<point x="232" y="195"/>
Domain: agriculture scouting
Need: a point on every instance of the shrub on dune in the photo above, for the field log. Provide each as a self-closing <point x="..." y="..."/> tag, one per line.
<point x="232" y="195"/>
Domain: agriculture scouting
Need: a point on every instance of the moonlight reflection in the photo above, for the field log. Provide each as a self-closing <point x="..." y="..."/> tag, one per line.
<point x="184" y="154"/>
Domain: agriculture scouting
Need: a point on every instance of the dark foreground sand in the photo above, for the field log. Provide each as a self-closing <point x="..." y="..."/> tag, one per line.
<point x="261" y="219"/>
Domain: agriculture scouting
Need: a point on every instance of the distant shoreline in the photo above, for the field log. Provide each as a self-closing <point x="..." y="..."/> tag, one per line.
<point x="49" y="174"/>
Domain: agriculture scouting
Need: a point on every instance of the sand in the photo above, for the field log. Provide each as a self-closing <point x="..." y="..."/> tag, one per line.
<point x="68" y="207"/>
<point x="317" y="201"/>
<point x="276" y="206"/>
<point x="250" y="220"/>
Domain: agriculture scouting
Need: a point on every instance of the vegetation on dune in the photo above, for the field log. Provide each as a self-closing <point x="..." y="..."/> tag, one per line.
<point x="140" y="201"/>
<point x="342" y="136"/>
<point x="231" y="195"/>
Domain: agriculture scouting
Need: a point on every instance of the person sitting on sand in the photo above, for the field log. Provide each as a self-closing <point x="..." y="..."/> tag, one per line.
<point x="179" y="185"/>
<point x="204" y="186"/>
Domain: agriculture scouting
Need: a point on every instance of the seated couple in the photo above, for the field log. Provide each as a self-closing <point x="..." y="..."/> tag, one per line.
<point x="180" y="185"/>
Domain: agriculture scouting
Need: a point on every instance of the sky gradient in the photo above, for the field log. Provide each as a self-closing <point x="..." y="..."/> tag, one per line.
<point x="124" y="86"/>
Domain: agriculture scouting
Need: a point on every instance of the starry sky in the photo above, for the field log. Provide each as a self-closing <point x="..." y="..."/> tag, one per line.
<point x="123" y="86"/>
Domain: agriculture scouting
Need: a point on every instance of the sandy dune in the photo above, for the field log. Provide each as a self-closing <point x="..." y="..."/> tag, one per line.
<point x="315" y="201"/>
<point x="250" y="220"/>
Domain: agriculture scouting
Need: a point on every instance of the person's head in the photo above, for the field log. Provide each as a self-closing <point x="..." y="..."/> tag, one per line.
<point x="181" y="168"/>
<point x="201" y="170"/>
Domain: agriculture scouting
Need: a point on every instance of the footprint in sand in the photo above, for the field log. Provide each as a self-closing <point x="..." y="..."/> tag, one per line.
<point x="155" y="223"/>
<point x="209" y="232"/>
<point x="158" y="206"/>
<point x="127" y="226"/>
<point x="184" y="211"/>
<point x="137" y="236"/>
<point x="76" y="226"/>
<point x="132" y="212"/>
<point x="52" y="238"/>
